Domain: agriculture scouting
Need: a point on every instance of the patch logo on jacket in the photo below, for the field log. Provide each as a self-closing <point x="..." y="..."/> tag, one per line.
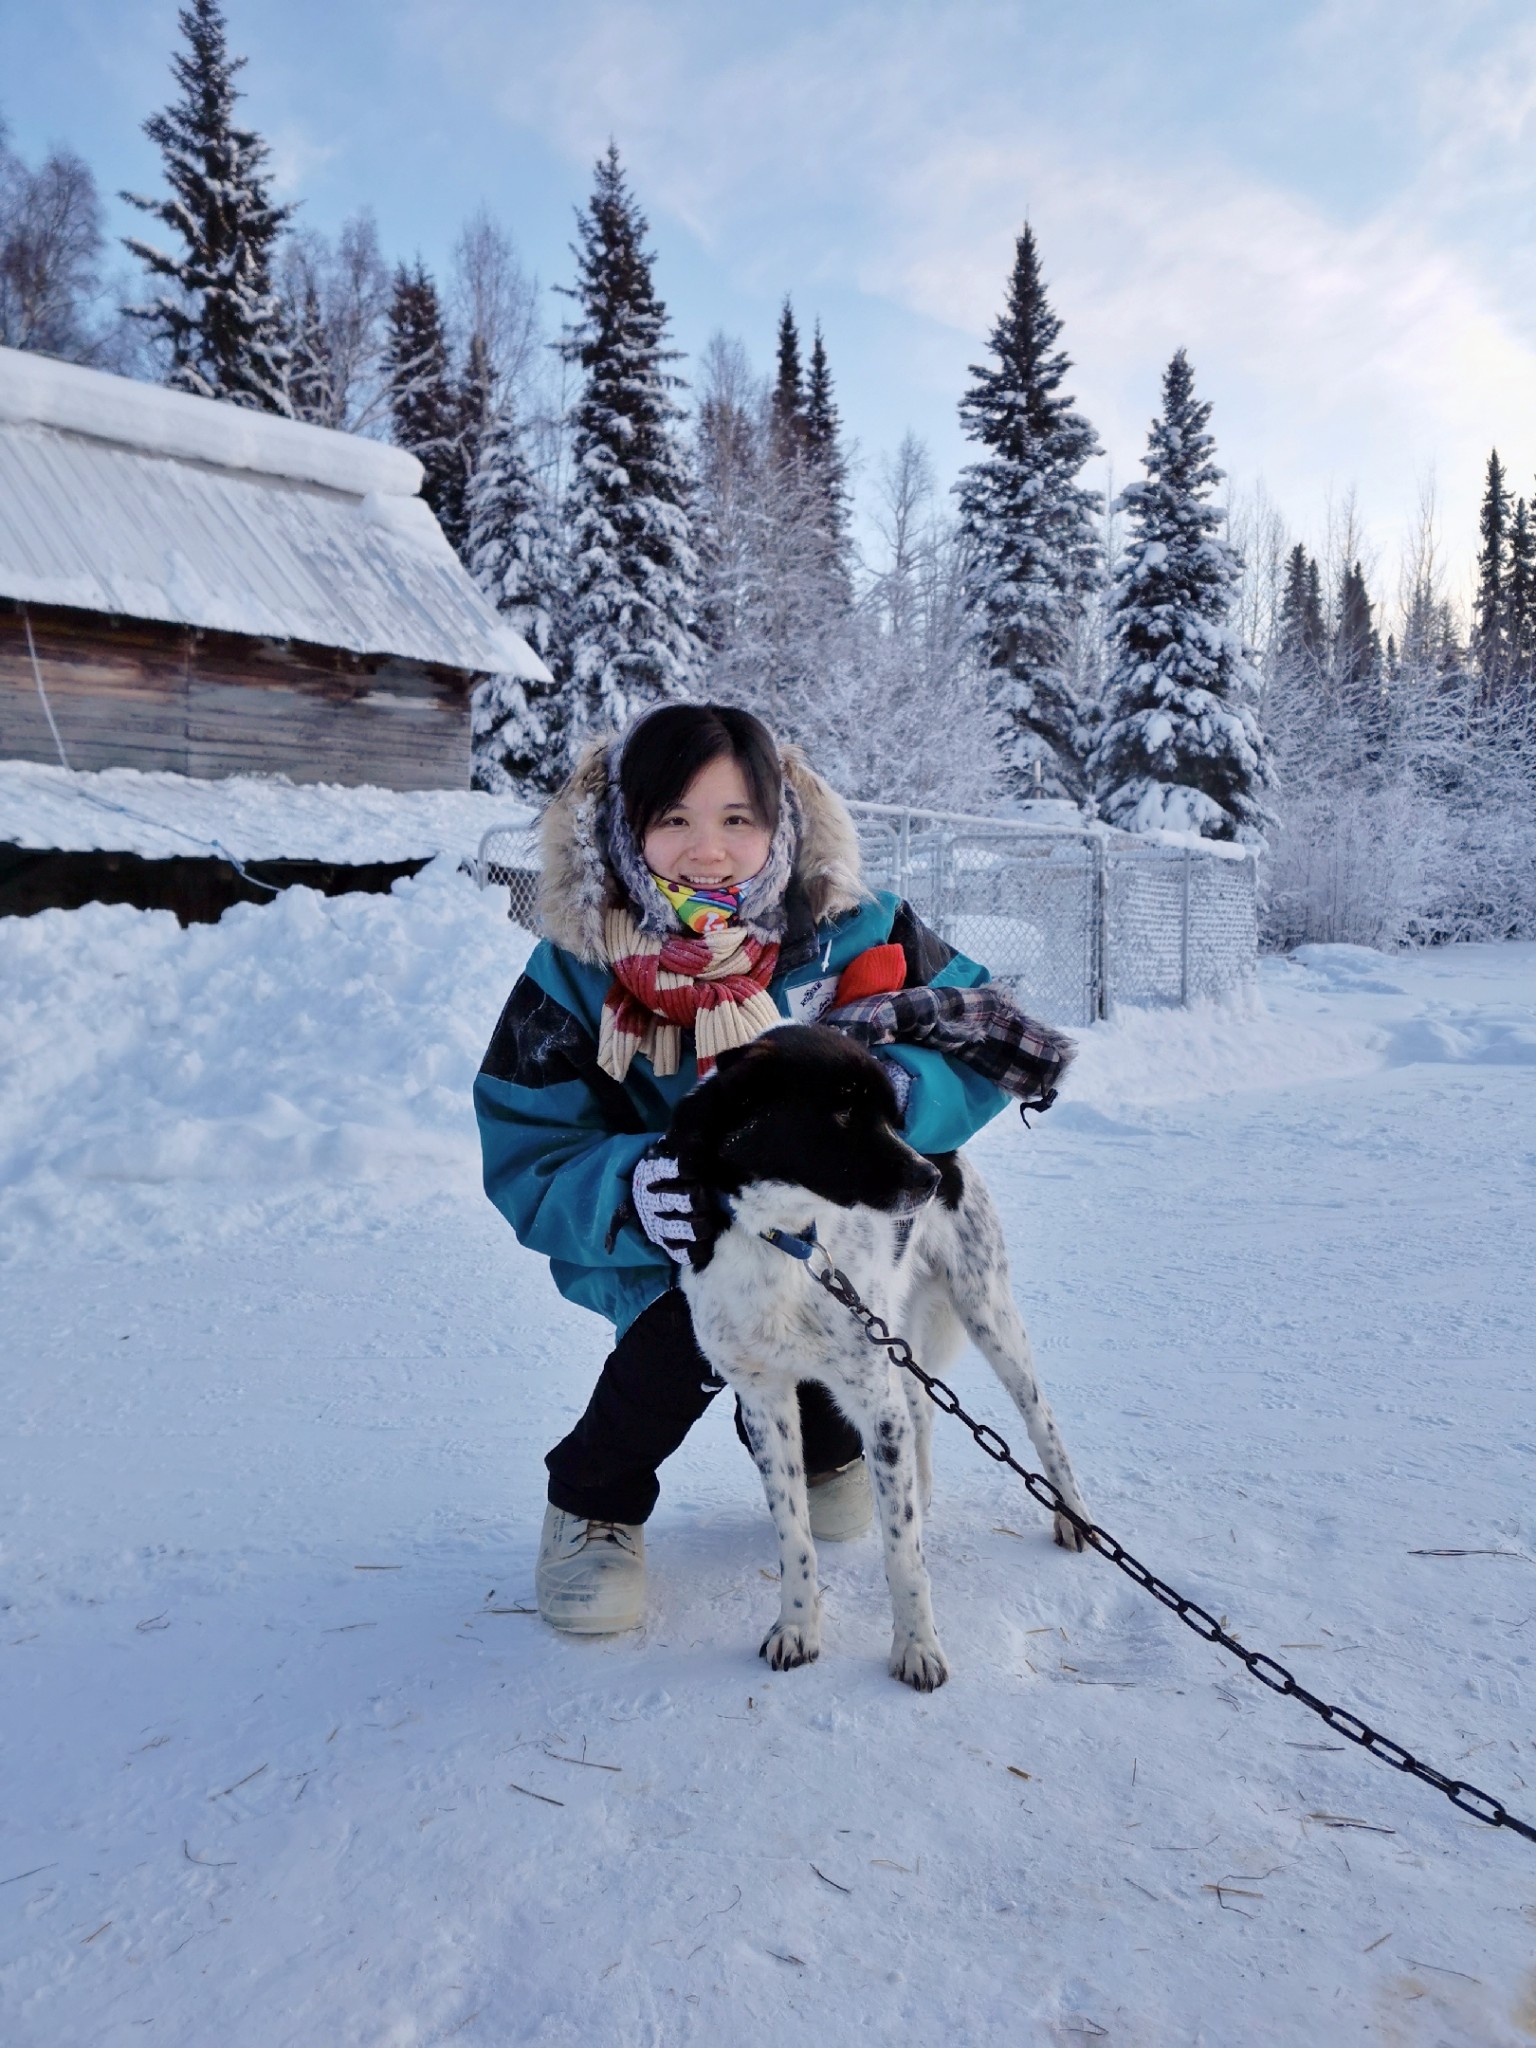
<point x="812" y="999"/>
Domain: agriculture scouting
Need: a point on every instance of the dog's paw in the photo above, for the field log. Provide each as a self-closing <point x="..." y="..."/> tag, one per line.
<point x="787" y="1647"/>
<point x="923" y="1666"/>
<point x="1068" y="1535"/>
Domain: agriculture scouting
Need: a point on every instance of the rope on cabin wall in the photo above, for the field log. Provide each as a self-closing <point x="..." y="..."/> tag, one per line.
<point x="102" y="803"/>
<point x="37" y="671"/>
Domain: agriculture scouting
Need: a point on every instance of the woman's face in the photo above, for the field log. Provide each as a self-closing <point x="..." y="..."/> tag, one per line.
<point x="713" y="837"/>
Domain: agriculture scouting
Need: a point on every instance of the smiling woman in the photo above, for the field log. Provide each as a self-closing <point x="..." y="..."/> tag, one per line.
<point x="712" y="838"/>
<point x="700" y="791"/>
<point x="700" y="887"/>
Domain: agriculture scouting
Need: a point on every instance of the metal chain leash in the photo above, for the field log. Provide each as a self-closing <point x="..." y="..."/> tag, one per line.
<point x="1481" y="1805"/>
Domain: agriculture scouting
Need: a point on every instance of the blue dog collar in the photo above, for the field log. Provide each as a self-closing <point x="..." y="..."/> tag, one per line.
<point x="798" y="1247"/>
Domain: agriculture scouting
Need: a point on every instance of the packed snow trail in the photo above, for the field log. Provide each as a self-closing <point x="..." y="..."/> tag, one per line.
<point x="287" y="1763"/>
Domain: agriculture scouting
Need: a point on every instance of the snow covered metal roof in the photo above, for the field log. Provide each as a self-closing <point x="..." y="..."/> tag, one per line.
<point x="254" y="817"/>
<point x="144" y="503"/>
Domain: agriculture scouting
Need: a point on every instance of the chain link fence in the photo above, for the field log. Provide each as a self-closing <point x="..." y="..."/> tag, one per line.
<point x="508" y="858"/>
<point x="1075" y="920"/>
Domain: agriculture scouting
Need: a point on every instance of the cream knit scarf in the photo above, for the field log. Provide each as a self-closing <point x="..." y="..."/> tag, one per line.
<point x="713" y="983"/>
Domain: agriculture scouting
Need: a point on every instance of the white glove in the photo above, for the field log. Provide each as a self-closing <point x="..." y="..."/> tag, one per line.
<point x="665" y="1204"/>
<point x="901" y="1080"/>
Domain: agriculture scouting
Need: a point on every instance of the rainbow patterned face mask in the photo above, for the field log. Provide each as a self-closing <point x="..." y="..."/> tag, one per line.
<point x="700" y="910"/>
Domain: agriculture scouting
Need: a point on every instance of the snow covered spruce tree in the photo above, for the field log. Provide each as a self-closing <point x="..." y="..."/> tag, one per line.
<point x="514" y="553"/>
<point x="1358" y="679"/>
<point x="631" y="638"/>
<point x="425" y="403"/>
<point x="786" y="407"/>
<point x="1029" y="526"/>
<point x="308" y="384"/>
<point x="826" y="466"/>
<point x="1490" y="621"/>
<point x="1520" y="607"/>
<point x="1301" y="638"/>
<point x="221" y="318"/>
<point x="1180" y="746"/>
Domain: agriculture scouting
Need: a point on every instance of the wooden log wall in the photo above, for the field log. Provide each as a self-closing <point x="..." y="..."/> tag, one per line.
<point x="132" y="694"/>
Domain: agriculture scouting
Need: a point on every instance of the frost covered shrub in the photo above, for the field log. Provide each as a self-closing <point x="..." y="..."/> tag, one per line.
<point x="1423" y="834"/>
<point x="1487" y="882"/>
<point x="1354" y="866"/>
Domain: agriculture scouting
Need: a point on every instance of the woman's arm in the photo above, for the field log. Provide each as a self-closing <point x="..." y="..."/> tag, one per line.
<point x="948" y="1102"/>
<point x="559" y="1138"/>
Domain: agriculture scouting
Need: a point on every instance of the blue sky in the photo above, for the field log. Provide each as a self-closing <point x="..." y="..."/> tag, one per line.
<point x="1329" y="205"/>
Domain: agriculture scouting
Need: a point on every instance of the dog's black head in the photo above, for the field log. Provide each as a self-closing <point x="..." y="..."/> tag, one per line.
<point x="806" y="1105"/>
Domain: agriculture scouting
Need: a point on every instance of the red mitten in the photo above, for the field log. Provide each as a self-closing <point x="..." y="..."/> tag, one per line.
<point x="879" y="972"/>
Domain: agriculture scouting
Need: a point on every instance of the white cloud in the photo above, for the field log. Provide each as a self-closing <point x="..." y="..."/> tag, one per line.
<point x="295" y="158"/>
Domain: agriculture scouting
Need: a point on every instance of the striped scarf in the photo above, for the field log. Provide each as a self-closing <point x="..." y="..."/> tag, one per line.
<point x="713" y="983"/>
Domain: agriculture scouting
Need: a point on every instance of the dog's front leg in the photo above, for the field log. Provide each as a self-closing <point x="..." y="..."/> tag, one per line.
<point x="916" y="1658"/>
<point x="772" y="1421"/>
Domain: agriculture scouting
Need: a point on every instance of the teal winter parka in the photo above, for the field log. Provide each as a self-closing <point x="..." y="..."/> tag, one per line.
<point x="560" y="1138"/>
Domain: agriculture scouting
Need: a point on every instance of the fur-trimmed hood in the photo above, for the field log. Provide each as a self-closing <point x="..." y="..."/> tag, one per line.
<point x="578" y="882"/>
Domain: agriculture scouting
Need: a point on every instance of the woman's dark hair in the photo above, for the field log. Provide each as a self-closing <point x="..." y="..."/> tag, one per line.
<point x="672" y="743"/>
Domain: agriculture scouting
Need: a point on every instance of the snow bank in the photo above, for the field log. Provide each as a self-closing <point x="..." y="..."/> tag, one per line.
<point x="1144" y="1058"/>
<point x="304" y="1060"/>
<point x="256" y="817"/>
<point x="1322" y="1015"/>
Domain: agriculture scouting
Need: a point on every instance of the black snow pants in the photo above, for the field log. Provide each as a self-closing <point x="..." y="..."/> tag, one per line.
<point x="653" y="1388"/>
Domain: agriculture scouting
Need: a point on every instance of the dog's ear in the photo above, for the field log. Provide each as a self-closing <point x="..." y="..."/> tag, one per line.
<point x="754" y="1053"/>
<point x="734" y="1055"/>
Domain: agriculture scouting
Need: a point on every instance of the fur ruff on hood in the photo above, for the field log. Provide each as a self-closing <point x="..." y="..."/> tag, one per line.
<point x="578" y="882"/>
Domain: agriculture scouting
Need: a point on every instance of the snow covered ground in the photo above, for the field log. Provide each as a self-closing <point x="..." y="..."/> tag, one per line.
<point x="288" y="1761"/>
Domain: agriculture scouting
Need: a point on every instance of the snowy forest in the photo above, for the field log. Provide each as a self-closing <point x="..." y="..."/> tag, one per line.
<point x="1164" y="657"/>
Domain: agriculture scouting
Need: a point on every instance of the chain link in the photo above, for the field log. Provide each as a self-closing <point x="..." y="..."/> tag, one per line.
<point x="1481" y="1805"/>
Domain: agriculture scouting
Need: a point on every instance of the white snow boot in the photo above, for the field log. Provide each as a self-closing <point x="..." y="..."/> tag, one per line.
<point x="841" y="1504"/>
<point x="590" y="1577"/>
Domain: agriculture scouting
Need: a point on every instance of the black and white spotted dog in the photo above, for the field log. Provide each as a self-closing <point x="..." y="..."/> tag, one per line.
<point x="799" y="1129"/>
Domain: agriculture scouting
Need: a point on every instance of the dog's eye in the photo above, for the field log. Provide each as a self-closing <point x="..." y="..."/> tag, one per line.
<point x="843" y="1118"/>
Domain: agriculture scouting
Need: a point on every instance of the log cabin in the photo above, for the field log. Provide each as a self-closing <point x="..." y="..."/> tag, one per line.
<point x="189" y="585"/>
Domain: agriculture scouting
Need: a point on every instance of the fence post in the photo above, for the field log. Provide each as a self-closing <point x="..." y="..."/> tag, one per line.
<point x="904" y="856"/>
<point x="1098" y="991"/>
<point x="1184" y="934"/>
<point x="944" y="883"/>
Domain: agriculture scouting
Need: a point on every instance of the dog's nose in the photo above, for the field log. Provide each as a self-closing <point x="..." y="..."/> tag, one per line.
<point x="924" y="1179"/>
